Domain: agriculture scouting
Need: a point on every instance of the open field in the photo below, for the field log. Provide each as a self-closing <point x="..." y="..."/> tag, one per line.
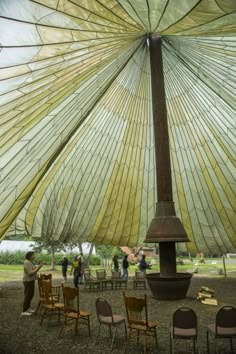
<point x="15" y="272"/>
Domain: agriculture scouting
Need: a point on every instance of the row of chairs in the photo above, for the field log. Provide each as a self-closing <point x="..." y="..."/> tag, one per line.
<point x="50" y="303"/>
<point x="102" y="280"/>
<point x="184" y="324"/>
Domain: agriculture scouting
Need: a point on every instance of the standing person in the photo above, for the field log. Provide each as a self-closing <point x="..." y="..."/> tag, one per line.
<point x="116" y="263"/>
<point x="125" y="266"/>
<point x="64" y="266"/>
<point x="30" y="275"/>
<point x="143" y="265"/>
<point x="81" y="268"/>
<point x="75" y="270"/>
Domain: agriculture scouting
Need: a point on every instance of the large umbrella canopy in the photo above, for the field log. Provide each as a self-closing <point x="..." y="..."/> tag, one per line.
<point x="76" y="133"/>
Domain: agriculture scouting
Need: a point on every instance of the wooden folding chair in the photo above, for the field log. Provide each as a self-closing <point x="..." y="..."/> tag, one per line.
<point x="55" y="291"/>
<point x="118" y="281"/>
<point x="90" y="281"/>
<point x="138" y="323"/>
<point x="72" y="312"/>
<point x="103" y="278"/>
<point x="50" y="300"/>
<point x="139" y="280"/>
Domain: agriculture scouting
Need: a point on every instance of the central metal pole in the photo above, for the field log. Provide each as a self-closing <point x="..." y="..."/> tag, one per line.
<point x="163" y="168"/>
<point x="165" y="228"/>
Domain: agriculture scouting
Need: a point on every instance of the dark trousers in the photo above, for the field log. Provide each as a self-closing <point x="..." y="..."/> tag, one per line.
<point x="76" y="279"/>
<point x="28" y="294"/>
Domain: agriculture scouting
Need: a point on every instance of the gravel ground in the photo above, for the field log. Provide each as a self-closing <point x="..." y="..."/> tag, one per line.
<point x="24" y="335"/>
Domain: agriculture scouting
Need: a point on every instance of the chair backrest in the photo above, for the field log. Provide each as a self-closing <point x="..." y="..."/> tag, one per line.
<point x="87" y="275"/>
<point x="136" y="309"/>
<point x="101" y="274"/>
<point x="46" y="291"/>
<point x="226" y="317"/>
<point x="103" y="309"/>
<point x="71" y="299"/>
<point x="116" y="275"/>
<point x="43" y="277"/>
<point x="139" y="275"/>
<point x="184" y="318"/>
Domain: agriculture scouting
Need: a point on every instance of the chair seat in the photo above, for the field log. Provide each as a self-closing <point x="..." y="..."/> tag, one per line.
<point x="59" y="305"/>
<point x="108" y="319"/>
<point x="139" y="327"/>
<point x="184" y="332"/>
<point x="222" y="331"/>
<point x="77" y="314"/>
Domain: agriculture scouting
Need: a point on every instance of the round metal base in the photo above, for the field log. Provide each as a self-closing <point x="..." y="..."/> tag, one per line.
<point x="169" y="288"/>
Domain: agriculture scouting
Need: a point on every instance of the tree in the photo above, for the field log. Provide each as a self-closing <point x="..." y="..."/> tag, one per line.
<point x="51" y="247"/>
<point x="107" y="252"/>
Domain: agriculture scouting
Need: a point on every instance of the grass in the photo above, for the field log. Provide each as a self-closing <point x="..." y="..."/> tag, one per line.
<point x="12" y="272"/>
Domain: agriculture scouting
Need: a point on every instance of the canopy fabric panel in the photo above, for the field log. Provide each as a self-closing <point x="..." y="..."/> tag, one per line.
<point x="76" y="134"/>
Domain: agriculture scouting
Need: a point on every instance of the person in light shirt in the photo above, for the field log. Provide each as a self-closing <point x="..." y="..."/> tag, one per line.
<point x="30" y="275"/>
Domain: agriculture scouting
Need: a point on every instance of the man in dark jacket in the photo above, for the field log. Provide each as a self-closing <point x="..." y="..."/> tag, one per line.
<point x="64" y="267"/>
<point x="125" y="266"/>
<point x="143" y="264"/>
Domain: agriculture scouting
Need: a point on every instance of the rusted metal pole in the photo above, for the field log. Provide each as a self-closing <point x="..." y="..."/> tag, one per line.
<point x="165" y="228"/>
<point x="163" y="168"/>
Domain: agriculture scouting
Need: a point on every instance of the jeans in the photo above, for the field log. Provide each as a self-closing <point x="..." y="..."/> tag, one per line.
<point x="125" y="273"/>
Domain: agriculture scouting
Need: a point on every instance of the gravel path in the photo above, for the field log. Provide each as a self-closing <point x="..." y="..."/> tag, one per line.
<point x="24" y="335"/>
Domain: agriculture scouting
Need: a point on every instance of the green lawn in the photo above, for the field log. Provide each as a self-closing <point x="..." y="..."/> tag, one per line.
<point x="11" y="272"/>
<point x="15" y="272"/>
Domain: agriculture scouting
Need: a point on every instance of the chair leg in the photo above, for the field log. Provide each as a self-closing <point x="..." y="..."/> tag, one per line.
<point x="75" y="330"/>
<point x="113" y="338"/>
<point x="231" y="345"/>
<point x="145" y="342"/>
<point x="89" y="329"/>
<point x="38" y="307"/>
<point x="98" y="333"/>
<point x="62" y="328"/>
<point x="194" y="348"/>
<point x="155" y="336"/>
<point x="44" y="314"/>
<point x="207" y="342"/>
<point x="125" y="330"/>
<point x="110" y="331"/>
<point x="138" y="335"/>
<point x="171" y="343"/>
<point x="76" y="325"/>
<point x="127" y="342"/>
